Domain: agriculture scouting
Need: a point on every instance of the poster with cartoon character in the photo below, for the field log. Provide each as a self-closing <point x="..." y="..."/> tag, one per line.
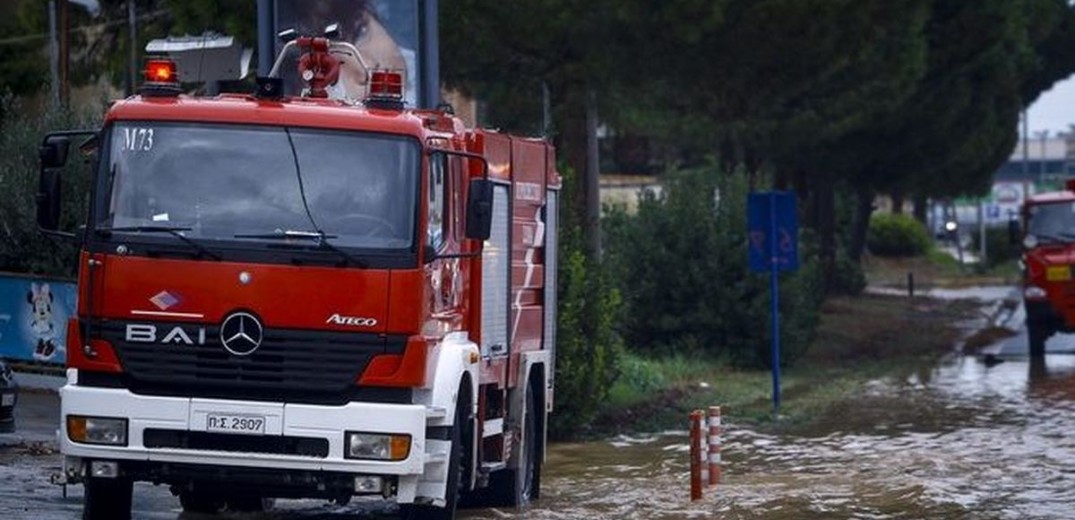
<point x="33" y="318"/>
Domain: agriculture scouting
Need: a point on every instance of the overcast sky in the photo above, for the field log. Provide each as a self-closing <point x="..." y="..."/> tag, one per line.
<point x="1055" y="109"/>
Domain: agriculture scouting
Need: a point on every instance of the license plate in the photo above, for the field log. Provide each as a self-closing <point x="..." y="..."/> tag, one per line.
<point x="1058" y="273"/>
<point x="7" y="400"/>
<point x="235" y="423"/>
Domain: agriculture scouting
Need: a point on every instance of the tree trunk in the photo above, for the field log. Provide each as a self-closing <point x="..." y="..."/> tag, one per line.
<point x="863" y="209"/>
<point x="825" y="217"/>
<point x="577" y="142"/>
<point x="592" y="226"/>
<point x="921" y="208"/>
<point x="897" y="201"/>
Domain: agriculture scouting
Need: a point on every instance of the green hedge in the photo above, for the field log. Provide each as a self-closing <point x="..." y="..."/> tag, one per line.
<point x="897" y="235"/>
<point x="681" y="264"/>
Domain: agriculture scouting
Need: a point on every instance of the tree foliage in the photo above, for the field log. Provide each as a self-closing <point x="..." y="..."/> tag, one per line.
<point x="22" y="247"/>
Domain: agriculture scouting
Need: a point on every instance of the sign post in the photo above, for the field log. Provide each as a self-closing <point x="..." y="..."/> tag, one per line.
<point x="773" y="230"/>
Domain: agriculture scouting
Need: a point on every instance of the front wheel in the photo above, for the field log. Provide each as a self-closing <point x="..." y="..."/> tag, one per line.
<point x="1036" y="334"/>
<point x="107" y="499"/>
<point x="456" y="473"/>
<point x="200" y="501"/>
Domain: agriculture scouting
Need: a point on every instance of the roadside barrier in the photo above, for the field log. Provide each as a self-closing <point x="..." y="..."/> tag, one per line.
<point x="697" y="455"/>
<point x="714" y="445"/>
<point x="705" y="444"/>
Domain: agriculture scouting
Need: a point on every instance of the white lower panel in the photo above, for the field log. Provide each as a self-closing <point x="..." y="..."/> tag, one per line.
<point x="177" y="413"/>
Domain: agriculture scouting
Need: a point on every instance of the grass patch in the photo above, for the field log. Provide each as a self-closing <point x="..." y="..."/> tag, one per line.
<point x="936" y="269"/>
<point x="860" y="339"/>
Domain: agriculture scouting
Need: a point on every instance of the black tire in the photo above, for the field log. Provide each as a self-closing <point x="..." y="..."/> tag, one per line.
<point x="107" y="499"/>
<point x="456" y="473"/>
<point x="199" y="501"/>
<point x="516" y="487"/>
<point x="1036" y="335"/>
<point x="249" y="504"/>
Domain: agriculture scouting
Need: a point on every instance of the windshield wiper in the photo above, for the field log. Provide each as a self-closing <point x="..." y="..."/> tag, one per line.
<point x="174" y="231"/>
<point x="322" y="242"/>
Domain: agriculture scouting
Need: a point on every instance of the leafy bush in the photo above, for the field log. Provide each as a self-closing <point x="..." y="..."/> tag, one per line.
<point x="588" y="348"/>
<point x="22" y="247"/>
<point x="897" y="235"/>
<point x="681" y="262"/>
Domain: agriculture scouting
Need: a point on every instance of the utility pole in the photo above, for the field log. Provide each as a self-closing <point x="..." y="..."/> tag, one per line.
<point x="54" y="57"/>
<point x="132" y="66"/>
<point x="65" y="51"/>
<point x="1026" y="146"/>
<point x="1043" y="135"/>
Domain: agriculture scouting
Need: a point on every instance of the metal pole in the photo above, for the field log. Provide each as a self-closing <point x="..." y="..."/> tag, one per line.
<point x="132" y="28"/>
<point x="1044" y="134"/>
<point x="65" y="50"/>
<point x="774" y="288"/>
<point x="1026" y="147"/>
<point x="981" y="233"/>
<point x="54" y="56"/>
<point x="429" y="89"/>
<point x="266" y="34"/>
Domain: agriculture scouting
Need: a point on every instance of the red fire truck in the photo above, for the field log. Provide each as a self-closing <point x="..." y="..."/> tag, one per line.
<point x="306" y="297"/>
<point x="1048" y="231"/>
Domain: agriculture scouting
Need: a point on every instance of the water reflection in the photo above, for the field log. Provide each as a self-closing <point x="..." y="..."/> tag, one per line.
<point x="962" y="440"/>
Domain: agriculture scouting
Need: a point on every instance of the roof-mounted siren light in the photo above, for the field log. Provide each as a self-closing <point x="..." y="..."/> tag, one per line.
<point x="161" y="78"/>
<point x="1070" y="184"/>
<point x="385" y="90"/>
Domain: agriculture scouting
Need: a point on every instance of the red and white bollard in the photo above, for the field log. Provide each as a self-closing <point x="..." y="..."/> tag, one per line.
<point x="698" y="455"/>
<point x="714" y="445"/>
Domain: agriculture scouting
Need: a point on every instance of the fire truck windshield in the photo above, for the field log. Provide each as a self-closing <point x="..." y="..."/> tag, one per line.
<point x="1052" y="222"/>
<point x="238" y="183"/>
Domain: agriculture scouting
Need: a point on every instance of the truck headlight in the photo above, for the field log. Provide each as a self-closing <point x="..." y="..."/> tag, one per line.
<point x="377" y="446"/>
<point x="1032" y="292"/>
<point x="97" y="430"/>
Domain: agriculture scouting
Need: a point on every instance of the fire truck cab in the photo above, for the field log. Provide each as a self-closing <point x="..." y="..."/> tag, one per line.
<point x="306" y="297"/>
<point x="1048" y="238"/>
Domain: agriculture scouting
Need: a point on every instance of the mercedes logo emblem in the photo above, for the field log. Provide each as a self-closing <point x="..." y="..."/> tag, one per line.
<point x="241" y="333"/>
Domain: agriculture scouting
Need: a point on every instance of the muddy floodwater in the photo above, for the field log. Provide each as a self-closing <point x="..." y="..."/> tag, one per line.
<point x="962" y="440"/>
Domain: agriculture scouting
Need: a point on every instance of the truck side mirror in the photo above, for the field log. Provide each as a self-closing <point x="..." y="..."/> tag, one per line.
<point x="53" y="151"/>
<point x="479" y="209"/>
<point x="1013" y="232"/>
<point x="53" y="155"/>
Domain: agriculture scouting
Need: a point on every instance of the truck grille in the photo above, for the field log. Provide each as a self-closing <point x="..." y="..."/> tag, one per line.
<point x="289" y="365"/>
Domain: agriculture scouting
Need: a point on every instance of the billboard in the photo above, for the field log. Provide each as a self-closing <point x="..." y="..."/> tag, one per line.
<point x="385" y="32"/>
<point x="33" y="318"/>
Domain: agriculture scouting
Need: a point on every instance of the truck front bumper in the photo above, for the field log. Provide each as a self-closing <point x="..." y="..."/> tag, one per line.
<point x="168" y="440"/>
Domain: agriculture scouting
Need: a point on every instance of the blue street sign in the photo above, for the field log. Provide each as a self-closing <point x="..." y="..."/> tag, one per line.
<point x="762" y="209"/>
<point x="773" y="230"/>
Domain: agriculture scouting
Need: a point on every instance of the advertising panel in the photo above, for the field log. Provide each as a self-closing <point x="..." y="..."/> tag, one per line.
<point x="385" y="32"/>
<point x="33" y="318"/>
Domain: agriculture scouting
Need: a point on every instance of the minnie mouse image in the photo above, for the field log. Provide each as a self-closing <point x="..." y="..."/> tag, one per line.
<point x="40" y="298"/>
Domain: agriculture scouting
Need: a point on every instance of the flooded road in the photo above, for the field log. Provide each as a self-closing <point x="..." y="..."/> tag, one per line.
<point x="963" y="440"/>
